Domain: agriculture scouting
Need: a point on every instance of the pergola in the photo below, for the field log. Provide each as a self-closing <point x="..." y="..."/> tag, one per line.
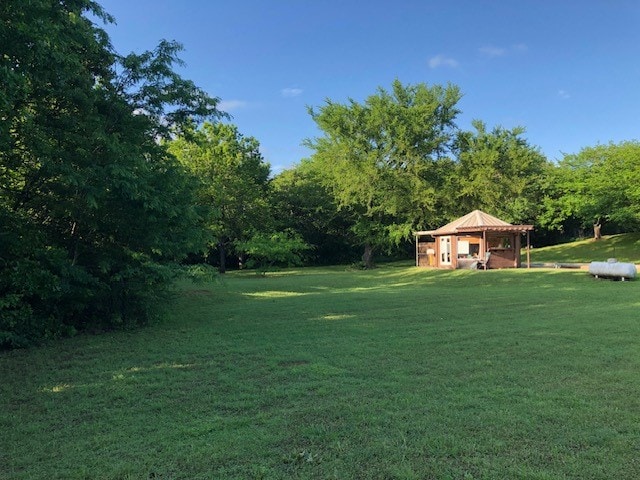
<point x="470" y="239"/>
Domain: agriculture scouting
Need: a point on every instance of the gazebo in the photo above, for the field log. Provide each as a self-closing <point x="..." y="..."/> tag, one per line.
<point x="477" y="239"/>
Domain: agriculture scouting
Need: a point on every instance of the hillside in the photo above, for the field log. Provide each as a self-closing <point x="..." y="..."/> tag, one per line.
<point x="625" y="247"/>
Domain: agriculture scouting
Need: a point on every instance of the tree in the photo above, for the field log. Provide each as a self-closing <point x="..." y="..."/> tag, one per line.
<point x="599" y="184"/>
<point x="306" y="206"/>
<point x="234" y="180"/>
<point x="266" y="250"/>
<point x="94" y="211"/>
<point x="381" y="158"/>
<point x="498" y="171"/>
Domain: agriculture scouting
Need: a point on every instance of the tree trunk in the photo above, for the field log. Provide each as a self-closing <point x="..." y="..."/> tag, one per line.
<point x="367" y="256"/>
<point x="74" y="231"/>
<point x="223" y="257"/>
<point x="597" y="235"/>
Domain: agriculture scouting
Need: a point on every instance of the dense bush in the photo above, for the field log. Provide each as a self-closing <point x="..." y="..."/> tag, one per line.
<point x="93" y="209"/>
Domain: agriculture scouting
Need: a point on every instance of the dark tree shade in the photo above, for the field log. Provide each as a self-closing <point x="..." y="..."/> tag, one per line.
<point x="92" y="207"/>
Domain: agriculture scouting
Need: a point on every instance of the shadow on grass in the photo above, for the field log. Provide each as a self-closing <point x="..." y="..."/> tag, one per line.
<point x="320" y="373"/>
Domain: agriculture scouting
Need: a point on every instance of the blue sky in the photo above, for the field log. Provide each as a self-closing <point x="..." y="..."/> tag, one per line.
<point x="567" y="71"/>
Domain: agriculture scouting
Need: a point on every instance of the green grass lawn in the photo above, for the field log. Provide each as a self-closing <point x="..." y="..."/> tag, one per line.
<point x="624" y="247"/>
<point x="326" y="373"/>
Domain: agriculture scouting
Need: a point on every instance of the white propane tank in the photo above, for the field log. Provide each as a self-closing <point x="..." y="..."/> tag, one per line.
<point x="613" y="269"/>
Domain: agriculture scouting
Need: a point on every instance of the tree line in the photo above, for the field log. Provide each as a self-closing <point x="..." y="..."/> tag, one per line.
<point x="116" y="172"/>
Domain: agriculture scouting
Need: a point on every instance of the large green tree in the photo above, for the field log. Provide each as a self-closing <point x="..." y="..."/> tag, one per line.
<point x="305" y="205"/>
<point x="92" y="207"/>
<point x="380" y="158"/>
<point x="498" y="171"/>
<point x="599" y="185"/>
<point x="234" y="182"/>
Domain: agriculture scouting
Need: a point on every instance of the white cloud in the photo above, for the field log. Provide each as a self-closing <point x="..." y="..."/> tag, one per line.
<point x="563" y="94"/>
<point x="519" y="48"/>
<point x="443" y="61"/>
<point x="231" y="105"/>
<point x="492" y="51"/>
<point x="290" y="92"/>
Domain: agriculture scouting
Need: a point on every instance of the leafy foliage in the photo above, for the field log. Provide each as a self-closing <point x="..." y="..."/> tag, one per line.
<point x="380" y="158"/>
<point x="233" y="182"/>
<point x="93" y="208"/>
<point x="498" y="172"/>
<point x="267" y="250"/>
<point x="599" y="184"/>
<point x="305" y="205"/>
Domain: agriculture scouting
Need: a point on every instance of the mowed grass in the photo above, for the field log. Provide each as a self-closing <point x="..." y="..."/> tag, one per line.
<point x="400" y="373"/>
<point x="624" y="247"/>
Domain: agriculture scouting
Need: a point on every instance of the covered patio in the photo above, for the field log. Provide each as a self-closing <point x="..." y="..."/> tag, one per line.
<point x="476" y="240"/>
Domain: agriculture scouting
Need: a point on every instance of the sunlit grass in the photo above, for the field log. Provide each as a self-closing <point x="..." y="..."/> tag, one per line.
<point x="623" y="247"/>
<point x="275" y="294"/>
<point x="321" y="373"/>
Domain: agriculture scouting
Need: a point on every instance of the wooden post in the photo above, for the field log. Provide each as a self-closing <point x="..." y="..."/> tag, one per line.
<point x="417" y="251"/>
<point x="484" y="243"/>
<point x="528" y="249"/>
